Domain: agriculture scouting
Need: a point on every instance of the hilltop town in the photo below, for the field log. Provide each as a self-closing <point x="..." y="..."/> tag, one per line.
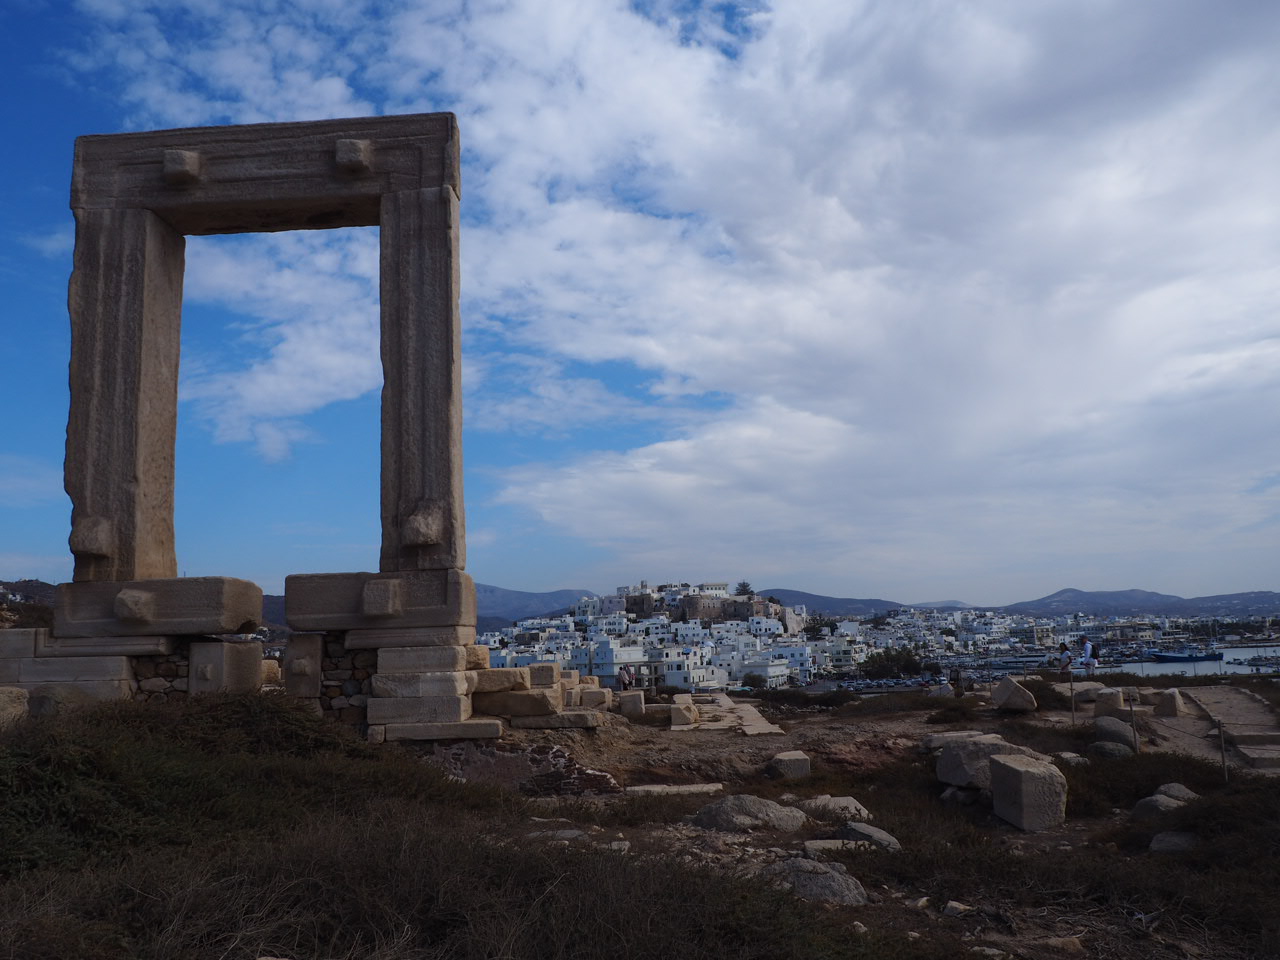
<point x="704" y="637"/>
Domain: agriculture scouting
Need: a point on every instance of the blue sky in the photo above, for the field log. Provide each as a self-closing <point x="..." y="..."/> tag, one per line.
<point x="918" y="301"/>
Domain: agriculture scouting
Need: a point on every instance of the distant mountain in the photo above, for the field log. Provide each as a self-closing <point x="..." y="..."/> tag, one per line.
<point x="943" y="605"/>
<point x="518" y="604"/>
<point x="35" y="591"/>
<point x="1121" y="603"/>
<point x="830" y="606"/>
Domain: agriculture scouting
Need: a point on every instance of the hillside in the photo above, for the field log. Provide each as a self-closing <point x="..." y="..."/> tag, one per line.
<point x="831" y="606"/>
<point x="1121" y="603"/>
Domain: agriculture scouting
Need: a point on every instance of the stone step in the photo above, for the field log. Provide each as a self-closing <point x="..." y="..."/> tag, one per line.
<point x="1262" y="757"/>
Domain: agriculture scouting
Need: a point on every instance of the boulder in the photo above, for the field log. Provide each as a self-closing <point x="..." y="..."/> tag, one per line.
<point x="858" y="832"/>
<point x="965" y="763"/>
<point x="790" y="765"/>
<point x="936" y="741"/>
<point x="740" y="813"/>
<point x="1177" y="791"/>
<point x="1011" y="696"/>
<point x="1030" y="794"/>
<point x="1149" y="808"/>
<point x="1106" y="750"/>
<point x="817" y="881"/>
<point x="1111" y="730"/>
<point x="943" y="689"/>
<point x="829" y="808"/>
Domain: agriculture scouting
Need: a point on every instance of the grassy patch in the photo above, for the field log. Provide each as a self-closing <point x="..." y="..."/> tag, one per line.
<point x="962" y="711"/>
<point x="243" y="827"/>
<point x="1226" y="884"/>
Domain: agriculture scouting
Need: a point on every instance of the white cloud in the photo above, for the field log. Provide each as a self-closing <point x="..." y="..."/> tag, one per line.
<point x="967" y="280"/>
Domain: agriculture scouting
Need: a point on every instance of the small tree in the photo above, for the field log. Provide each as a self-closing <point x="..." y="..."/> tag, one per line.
<point x="755" y="681"/>
<point x="743" y="589"/>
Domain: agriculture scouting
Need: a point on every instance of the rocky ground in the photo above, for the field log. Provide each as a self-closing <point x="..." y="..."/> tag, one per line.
<point x="847" y="754"/>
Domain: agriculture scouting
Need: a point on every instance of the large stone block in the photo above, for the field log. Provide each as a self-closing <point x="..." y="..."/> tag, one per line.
<point x="47" y="645"/>
<point x="219" y="667"/>
<point x="439" y="709"/>
<point x="966" y="763"/>
<point x="683" y="714"/>
<point x="1109" y="702"/>
<point x="519" y="703"/>
<point x="572" y="695"/>
<point x="438" y="684"/>
<point x="303" y="664"/>
<point x="148" y="608"/>
<point x="422" y="512"/>
<point x="544" y="674"/>
<point x="589" y="681"/>
<point x="631" y="704"/>
<point x="477" y="657"/>
<point x="73" y="669"/>
<point x="19" y="643"/>
<point x="379" y="601"/>
<point x="500" y="679"/>
<point x="1013" y="697"/>
<point x="791" y="764"/>
<point x="1169" y="703"/>
<point x="600" y="698"/>
<point x="411" y="637"/>
<point x="1031" y="794"/>
<point x="568" y="720"/>
<point x="475" y="728"/>
<point x="421" y="659"/>
<point x="125" y="302"/>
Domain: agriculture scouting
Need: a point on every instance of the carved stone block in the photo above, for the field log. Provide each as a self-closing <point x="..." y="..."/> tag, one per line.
<point x="194" y="605"/>
<point x="74" y="669"/>
<point x="225" y="667"/>
<point x="421" y="659"/>
<point x="19" y="643"/>
<point x="440" y="684"/>
<point x="347" y="601"/>
<point x="47" y="645"/>
<point x="411" y="637"/>
<point x="303" y="664"/>
<point x="440" y="709"/>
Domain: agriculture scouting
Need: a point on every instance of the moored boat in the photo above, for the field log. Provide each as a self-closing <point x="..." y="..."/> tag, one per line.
<point x="1185" y="656"/>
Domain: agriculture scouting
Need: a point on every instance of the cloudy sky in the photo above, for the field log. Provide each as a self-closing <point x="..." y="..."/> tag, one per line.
<point x="919" y="301"/>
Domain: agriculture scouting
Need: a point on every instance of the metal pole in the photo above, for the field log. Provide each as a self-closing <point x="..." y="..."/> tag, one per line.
<point x="1222" y="745"/>
<point x="1072" y="681"/>
<point x="1133" y="722"/>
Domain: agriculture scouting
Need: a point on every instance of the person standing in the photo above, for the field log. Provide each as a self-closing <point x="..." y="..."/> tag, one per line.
<point x="1087" y="658"/>
<point x="1064" y="663"/>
